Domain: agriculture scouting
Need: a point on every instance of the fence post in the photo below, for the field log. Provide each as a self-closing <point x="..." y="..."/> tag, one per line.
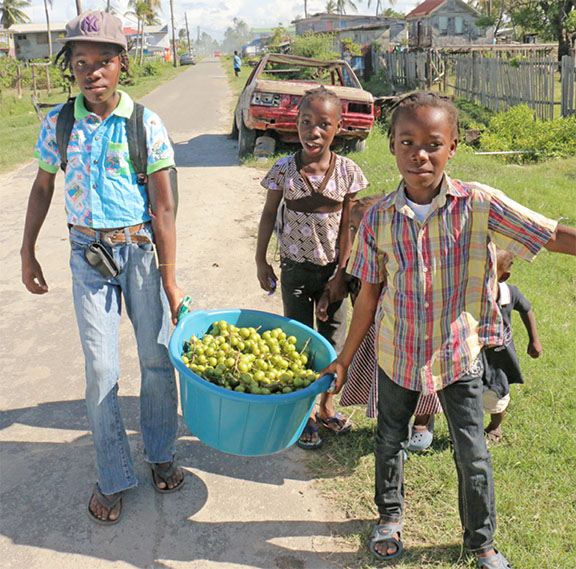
<point x="47" y="80"/>
<point x="568" y="68"/>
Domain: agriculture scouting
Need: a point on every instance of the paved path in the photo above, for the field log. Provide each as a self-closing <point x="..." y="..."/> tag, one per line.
<point x="234" y="512"/>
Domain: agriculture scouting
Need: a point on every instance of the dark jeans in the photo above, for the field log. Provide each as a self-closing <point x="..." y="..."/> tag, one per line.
<point x="462" y="405"/>
<point x="302" y="287"/>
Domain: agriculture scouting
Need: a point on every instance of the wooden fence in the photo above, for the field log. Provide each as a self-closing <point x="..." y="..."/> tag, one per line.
<point x="495" y="82"/>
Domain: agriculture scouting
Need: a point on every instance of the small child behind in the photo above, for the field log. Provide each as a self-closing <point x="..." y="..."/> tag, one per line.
<point x="501" y="365"/>
<point x="317" y="186"/>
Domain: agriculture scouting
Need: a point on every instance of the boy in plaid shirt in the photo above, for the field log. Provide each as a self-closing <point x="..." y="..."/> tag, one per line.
<point x="426" y="258"/>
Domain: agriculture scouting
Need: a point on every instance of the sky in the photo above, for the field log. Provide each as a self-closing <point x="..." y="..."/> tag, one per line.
<point x="212" y="16"/>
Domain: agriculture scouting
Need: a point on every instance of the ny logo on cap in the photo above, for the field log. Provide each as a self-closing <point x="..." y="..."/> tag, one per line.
<point x="91" y="23"/>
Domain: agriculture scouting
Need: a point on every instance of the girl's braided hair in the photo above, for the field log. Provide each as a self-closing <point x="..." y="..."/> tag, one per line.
<point x="419" y="99"/>
<point x="64" y="62"/>
<point x="322" y="94"/>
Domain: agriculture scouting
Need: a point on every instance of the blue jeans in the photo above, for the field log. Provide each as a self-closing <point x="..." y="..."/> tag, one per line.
<point x="462" y="405"/>
<point x="98" y="305"/>
<point x="302" y="287"/>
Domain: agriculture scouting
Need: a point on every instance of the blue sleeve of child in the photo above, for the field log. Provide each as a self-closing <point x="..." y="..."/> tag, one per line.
<point x="46" y="149"/>
<point x="160" y="151"/>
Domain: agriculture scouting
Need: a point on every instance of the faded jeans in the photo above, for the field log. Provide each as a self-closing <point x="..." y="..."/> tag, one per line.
<point x="98" y="305"/>
<point x="302" y="287"/>
<point x="462" y="405"/>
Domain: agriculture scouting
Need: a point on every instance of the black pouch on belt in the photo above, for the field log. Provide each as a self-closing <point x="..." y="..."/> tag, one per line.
<point x="98" y="257"/>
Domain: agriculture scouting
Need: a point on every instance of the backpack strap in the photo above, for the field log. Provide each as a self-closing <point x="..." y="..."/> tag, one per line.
<point x="137" y="143"/>
<point x="64" y="125"/>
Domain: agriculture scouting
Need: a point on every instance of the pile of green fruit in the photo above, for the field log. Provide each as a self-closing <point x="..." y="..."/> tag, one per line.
<point x="243" y="360"/>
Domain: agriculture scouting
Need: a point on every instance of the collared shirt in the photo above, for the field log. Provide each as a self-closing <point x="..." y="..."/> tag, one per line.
<point x="101" y="186"/>
<point x="438" y="304"/>
<point x="312" y="237"/>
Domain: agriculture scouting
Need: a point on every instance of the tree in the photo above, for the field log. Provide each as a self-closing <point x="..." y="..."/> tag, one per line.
<point x="78" y="7"/>
<point x="548" y="18"/>
<point x="145" y="13"/>
<point x="342" y="5"/>
<point x="378" y="5"/>
<point x="12" y="12"/>
<point x="237" y="36"/>
<point x="331" y="7"/>
<point x="46" y="4"/>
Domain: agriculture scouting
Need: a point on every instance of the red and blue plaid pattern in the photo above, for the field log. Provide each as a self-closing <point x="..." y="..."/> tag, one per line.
<point x="437" y="309"/>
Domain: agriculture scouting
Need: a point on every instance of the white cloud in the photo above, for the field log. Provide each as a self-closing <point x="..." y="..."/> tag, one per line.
<point x="212" y="17"/>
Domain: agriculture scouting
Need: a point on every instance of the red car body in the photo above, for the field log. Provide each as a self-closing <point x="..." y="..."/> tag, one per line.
<point x="269" y="106"/>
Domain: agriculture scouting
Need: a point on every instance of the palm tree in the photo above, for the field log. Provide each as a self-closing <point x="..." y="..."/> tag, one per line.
<point x="78" y="7"/>
<point x="378" y="5"/>
<point x="12" y="13"/>
<point x="46" y="3"/>
<point x="341" y="6"/>
<point x="331" y="7"/>
<point x="145" y="13"/>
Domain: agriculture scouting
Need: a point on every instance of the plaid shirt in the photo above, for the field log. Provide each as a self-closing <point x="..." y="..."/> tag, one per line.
<point x="438" y="309"/>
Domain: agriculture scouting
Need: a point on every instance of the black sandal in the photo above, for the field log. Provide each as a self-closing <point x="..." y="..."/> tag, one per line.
<point x="105" y="502"/>
<point x="163" y="475"/>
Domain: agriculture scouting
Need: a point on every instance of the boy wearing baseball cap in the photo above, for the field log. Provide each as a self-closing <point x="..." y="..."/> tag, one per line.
<point x="114" y="223"/>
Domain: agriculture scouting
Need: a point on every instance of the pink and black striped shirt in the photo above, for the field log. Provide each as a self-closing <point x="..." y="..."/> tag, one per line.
<point x="438" y="305"/>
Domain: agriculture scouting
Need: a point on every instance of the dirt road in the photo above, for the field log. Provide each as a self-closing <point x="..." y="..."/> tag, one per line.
<point x="234" y="512"/>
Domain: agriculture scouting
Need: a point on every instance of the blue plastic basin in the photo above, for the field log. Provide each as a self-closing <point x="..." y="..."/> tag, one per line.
<point x="242" y="423"/>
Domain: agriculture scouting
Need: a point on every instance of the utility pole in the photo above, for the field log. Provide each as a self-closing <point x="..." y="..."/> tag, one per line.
<point x="188" y="32"/>
<point x="78" y="7"/>
<point x="173" y="34"/>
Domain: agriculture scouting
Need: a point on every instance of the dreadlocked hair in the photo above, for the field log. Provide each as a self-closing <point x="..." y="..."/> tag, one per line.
<point x="64" y="62"/>
<point x="321" y="94"/>
<point x="419" y="99"/>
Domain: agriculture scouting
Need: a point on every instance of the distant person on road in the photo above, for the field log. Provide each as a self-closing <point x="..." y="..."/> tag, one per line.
<point x="237" y="64"/>
<point x="115" y="225"/>
<point x="317" y="186"/>
<point x="501" y="365"/>
<point x="426" y="257"/>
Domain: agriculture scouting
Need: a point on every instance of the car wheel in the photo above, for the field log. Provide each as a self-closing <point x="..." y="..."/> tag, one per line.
<point x="246" y="140"/>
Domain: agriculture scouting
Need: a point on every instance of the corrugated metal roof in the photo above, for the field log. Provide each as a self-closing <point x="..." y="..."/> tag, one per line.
<point x="37" y="27"/>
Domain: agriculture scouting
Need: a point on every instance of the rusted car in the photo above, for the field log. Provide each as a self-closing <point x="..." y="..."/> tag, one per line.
<point x="268" y="104"/>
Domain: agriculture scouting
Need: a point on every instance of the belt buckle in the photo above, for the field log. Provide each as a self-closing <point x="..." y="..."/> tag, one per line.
<point x="110" y="238"/>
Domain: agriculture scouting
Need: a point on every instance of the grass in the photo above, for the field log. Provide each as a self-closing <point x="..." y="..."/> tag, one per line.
<point x="19" y="124"/>
<point x="534" y="465"/>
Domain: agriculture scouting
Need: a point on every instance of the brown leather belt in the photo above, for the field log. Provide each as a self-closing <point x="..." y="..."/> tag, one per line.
<point x="114" y="236"/>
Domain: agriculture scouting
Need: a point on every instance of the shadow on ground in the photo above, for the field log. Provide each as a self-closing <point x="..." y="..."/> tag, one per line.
<point x="206" y="151"/>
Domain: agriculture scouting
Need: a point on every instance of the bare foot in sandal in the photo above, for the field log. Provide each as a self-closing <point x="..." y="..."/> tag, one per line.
<point x="386" y="543"/>
<point x="167" y="476"/>
<point x="105" y="508"/>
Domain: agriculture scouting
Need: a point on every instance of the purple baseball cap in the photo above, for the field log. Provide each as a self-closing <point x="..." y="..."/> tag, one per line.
<point x="95" y="26"/>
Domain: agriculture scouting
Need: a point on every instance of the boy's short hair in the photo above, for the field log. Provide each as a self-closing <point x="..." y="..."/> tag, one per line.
<point x="321" y="94"/>
<point x="503" y="256"/>
<point x="419" y="99"/>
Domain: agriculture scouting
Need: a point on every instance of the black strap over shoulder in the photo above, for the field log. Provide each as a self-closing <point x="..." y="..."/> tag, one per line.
<point x="137" y="143"/>
<point x="64" y="126"/>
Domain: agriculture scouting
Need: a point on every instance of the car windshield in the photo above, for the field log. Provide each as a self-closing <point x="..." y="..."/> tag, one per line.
<point x="311" y="71"/>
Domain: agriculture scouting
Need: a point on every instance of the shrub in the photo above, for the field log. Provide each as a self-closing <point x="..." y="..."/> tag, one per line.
<point x="518" y="129"/>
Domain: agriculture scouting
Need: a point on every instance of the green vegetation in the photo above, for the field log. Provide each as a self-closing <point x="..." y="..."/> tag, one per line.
<point x="19" y="123"/>
<point x="534" y="465"/>
<point x="518" y="130"/>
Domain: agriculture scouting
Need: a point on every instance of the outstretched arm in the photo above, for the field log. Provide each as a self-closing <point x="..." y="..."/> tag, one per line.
<point x="563" y="240"/>
<point x="164" y="227"/>
<point x="38" y="206"/>
<point x="265" y="228"/>
<point x="534" y="346"/>
<point x="362" y="319"/>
